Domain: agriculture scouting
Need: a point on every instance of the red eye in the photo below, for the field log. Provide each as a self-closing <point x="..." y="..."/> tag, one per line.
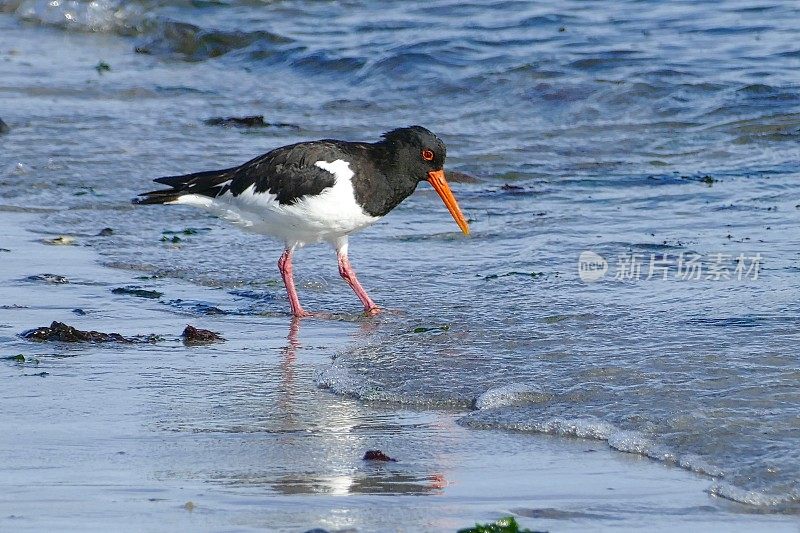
<point x="427" y="155"/>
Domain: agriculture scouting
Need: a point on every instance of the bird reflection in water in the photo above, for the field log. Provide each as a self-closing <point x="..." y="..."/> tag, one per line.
<point x="287" y="387"/>
<point x="338" y="436"/>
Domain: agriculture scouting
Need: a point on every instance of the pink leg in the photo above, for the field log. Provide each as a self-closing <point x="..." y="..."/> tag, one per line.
<point x="349" y="275"/>
<point x="285" y="266"/>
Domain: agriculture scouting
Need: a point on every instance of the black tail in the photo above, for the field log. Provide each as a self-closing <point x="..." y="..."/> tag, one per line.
<point x="211" y="183"/>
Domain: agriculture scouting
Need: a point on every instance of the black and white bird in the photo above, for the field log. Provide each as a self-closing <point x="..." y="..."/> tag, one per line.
<point x="318" y="191"/>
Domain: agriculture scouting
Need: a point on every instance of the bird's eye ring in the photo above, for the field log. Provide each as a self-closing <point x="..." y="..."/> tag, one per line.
<point x="427" y="155"/>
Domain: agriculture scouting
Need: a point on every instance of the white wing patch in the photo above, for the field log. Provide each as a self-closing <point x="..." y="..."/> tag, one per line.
<point x="327" y="216"/>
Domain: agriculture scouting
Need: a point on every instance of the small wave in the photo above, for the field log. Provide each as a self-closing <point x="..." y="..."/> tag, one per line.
<point x="695" y="463"/>
<point x="95" y="16"/>
<point x="510" y="395"/>
<point x="753" y="497"/>
<point x="631" y="442"/>
<point x="563" y="427"/>
<point x="160" y="35"/>
<point x="408" y="63"/>
<point x="339" y="381"/>
<point x="637" y="443"/>
<point x="618" y="439"/>
<point x="342" y="382"/>
<point x="193" y="43"/>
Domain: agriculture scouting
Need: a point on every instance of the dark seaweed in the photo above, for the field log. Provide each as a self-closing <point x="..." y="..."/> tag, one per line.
<point x="60" y="332"/>
<point x="377" y="455"/>
<point x="192" y="336"/>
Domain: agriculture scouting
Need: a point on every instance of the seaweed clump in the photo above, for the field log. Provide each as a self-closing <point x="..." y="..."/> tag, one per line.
<point x="193" y="336"/>
<point x="377" y="455"/>
<point x="60" y="332"/>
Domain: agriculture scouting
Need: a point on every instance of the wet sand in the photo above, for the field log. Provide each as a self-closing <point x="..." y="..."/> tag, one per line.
<point x="237" y="436"/>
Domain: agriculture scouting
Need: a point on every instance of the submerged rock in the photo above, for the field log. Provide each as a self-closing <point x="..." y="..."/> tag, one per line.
<point x="48" y="278"/>
<point x="199" y="308"/>
<point x="453" y="176"/>
<point x="192" y="335"/>
<point x="136" y="291"/>
<point x="63" y="240"/>
<point x="60" y="332"/>
<point x="253" y="121"/>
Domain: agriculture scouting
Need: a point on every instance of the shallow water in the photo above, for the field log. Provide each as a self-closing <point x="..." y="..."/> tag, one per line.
<point x="238" y="436"/>
<point x="651" y="131"/>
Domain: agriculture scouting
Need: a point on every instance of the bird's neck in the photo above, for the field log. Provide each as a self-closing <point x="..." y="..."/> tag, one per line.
<point x="388" y="184"/>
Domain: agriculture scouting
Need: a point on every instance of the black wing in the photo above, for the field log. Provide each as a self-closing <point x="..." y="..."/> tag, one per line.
<point x="288" y="172"/>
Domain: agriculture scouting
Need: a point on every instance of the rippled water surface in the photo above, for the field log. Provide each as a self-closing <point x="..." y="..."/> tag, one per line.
<point x="647" y="132"/>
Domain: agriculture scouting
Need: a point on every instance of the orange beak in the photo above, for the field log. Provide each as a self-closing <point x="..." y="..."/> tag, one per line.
<point x="436" y="178"/>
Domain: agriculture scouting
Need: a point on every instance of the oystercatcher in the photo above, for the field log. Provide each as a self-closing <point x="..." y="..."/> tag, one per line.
<point x="318" y="191"/>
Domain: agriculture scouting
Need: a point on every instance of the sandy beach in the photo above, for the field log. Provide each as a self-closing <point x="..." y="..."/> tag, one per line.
<point x="237" y="436"/>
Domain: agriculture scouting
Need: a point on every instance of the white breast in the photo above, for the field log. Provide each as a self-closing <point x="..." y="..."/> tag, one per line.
<point x="323" y="217"/>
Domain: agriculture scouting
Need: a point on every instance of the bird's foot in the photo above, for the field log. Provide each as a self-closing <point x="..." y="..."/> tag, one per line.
<point x="372" y="311"/>
<point x="301" y="314"/>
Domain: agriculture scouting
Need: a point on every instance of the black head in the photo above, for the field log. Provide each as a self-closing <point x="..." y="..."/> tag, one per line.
<point x="417" y="155"/>
<point x="416" y="151"/>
